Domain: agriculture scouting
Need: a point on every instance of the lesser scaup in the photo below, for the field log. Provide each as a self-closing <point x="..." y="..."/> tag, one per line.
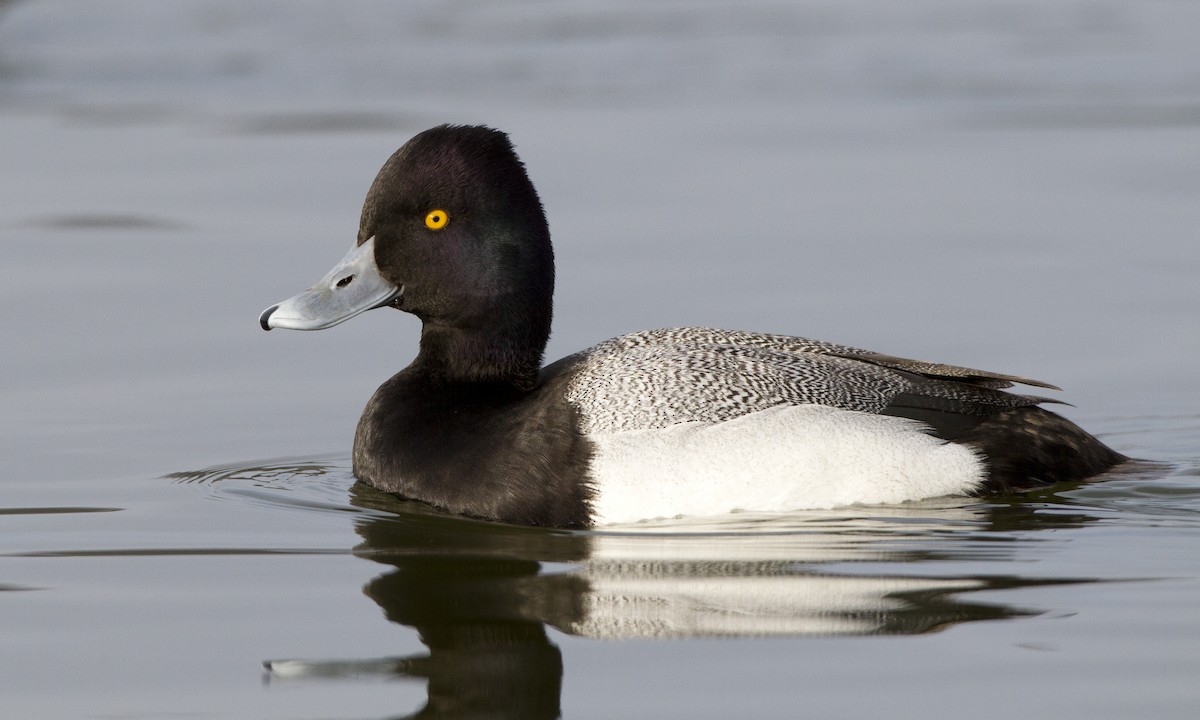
<point x="687" y="421"/>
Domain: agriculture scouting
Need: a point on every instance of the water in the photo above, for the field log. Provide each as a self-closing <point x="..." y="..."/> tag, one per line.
<point x="1008" y="186"/>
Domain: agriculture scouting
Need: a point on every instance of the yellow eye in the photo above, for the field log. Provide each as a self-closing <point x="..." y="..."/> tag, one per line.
<point x="436" y="219"/>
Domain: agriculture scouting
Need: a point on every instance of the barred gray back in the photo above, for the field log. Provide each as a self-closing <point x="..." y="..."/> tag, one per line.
<point x="657" y="378"/>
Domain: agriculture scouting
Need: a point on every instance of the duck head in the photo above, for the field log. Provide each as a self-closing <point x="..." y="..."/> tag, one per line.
<point x="452" y="231"/>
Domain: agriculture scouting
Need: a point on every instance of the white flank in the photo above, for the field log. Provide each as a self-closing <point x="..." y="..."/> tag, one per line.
<point x="784" y="458"/>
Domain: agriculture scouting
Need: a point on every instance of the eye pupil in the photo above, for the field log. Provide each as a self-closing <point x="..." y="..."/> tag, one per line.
<point x="345" y="281"/>
<point x="436" y="219"/>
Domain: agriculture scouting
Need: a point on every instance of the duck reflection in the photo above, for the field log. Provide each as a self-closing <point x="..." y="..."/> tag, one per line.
<point x="481" y="595"/>
<point x="486" y="657"/>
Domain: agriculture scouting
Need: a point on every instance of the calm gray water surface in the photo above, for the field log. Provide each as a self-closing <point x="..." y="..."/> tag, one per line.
<point x="1013" y="186"/>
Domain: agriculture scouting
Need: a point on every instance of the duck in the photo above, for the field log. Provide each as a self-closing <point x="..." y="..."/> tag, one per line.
<point x="688" y="421"/>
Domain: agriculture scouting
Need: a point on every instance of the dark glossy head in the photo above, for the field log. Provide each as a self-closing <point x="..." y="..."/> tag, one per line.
<point x="453" y="232"/>
<point x="491" y="264"/>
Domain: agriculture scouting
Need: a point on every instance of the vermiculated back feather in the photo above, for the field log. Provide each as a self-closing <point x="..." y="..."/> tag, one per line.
<point x="658" y="378"/>
<point x="981" y="378"/>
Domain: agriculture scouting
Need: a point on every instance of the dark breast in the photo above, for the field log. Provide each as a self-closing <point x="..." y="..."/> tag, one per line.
<point x="482" y="450"/>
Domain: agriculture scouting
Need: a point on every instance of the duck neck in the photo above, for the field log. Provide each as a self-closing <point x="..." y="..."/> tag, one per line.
<point x="484" y="353"/>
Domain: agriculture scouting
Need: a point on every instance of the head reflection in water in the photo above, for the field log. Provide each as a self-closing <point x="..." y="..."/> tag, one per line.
<point x="481" y="600"/>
